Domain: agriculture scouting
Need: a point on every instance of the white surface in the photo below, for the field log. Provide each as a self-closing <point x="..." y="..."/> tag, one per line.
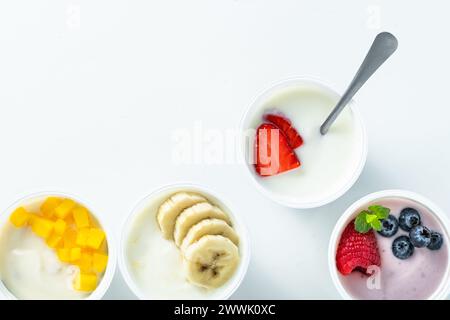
<point x="91" y="92"/>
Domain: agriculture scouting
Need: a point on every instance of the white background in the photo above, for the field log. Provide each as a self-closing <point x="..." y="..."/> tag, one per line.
<point x="92" y="91"/>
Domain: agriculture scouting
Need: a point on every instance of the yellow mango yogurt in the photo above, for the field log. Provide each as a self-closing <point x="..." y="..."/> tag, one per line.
<point x="51" y="247"/>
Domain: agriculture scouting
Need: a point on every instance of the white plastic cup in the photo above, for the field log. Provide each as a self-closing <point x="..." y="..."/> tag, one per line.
<point x="244" y="242"/>
<point x="441" y="292"/>
<point x="108" y="275"/>
<point x="246" y="125"/>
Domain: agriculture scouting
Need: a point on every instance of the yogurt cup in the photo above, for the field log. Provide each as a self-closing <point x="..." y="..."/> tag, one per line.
<point x="169" y="256"/>
<point x="326" y="188"/>
<point x="439" y="217"/>
<point x="108" y="274"/>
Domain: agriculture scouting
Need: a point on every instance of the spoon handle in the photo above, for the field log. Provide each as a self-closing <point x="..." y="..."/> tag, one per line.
<point x="382" y="48"/>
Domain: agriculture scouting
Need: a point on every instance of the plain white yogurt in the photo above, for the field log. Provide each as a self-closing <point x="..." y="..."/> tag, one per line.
<point x="31" y="270"/>
<point x="153" y="266"/>
<point x="330" y="164"/>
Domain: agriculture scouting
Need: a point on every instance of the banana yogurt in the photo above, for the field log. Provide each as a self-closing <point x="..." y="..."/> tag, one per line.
<point x="182" y="244"/>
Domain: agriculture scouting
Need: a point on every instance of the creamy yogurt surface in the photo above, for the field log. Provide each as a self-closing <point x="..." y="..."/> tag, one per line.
<point x="155" y="264"/>
<point x="29" y="269"/>
<point x="327" y="162"/>
<point x="417" y="277"/>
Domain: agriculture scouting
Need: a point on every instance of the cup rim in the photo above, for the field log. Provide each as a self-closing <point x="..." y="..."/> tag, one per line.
<point x="245" y="237"/>
<point x="108" y="275"/>
<point x="443" y="289"/>
<point x="358" y="120"/>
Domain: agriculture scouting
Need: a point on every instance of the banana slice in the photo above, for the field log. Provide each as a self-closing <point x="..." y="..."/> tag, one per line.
<point x="171" y="209"/>
<point x="194" y="215"/>
<point x="211" y="261"/>
<point x="209" y="227"/>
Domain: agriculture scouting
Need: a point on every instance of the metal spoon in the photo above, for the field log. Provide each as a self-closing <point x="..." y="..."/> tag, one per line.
<point x="382" y="48"/>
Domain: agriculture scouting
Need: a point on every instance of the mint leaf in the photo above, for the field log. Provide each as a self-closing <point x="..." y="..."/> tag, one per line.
<point x="361" y="224"/>
<point x="376" y="225"/>
<point x="370" y="217"/>
<point x="380" y="211"/>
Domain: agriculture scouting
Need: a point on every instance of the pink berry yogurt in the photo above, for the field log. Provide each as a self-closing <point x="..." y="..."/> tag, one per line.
<point x="417" y="277"/>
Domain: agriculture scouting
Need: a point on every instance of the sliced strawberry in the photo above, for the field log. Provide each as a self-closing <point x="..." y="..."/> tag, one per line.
<point x="282" y="122"/>
<point x="273" y="153"/>
<point x="357" y="251"/>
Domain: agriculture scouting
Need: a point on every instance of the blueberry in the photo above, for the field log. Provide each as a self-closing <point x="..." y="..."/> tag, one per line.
<point x="389" y="226"/>
<point x="408" y="219"/>
<point x="436" y="241"/>
<point x="402" y="247"/>
<point x="420" y="236"/>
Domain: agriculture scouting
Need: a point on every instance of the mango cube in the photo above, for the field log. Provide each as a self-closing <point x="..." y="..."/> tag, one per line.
<point x="70" y="221"/>
<point x="60" y="227"/>
<point x="85" y="282"/>
<point x="63" y="254"/>
<point x="42" y="227"/>
<point x="85" y="262"/>
<point x="99" y="262"/>
<point x="69" y="238"/>
<point x="49" y="205"/>
<point x="75" y="254"/>
<point x="95" y="238"/>
<point x="20" y="217"/>
<point x="54" y="241"/>
<point x="63" y="210"/>
<point x="82" y="237"/>
<point x="81" y="217"/>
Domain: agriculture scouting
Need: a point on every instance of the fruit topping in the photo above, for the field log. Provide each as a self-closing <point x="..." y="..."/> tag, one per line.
<point x="436" y="241"/>
<point x="193" y="215"/>
<point x="371" y="218"/>
<point x="49" y="206"/>
<point x="357" y="251"/>
<point x="204" y="234"/>
<point x="19" y="217"/>
<point x="60" y="227"/>
<point x="99" y="262"/>
<point x="81" y="217"/>
<point x="389" y="226"/>
<point x="41" y="226"/>
<point x="377" y="217"/>
<point x="402" y="247"/>
<point x="86" y="282"/>
<point x="209" y="227"/>
<point x="211" y="261"/>
<point x="170" y="209"/>
<point x="95" y="238"/>
<point x="69" y="229"/>
<point x="420" y="236"/>
<point x="284" y="124"/>
<point x="273" y="153"/>
<point x="65" y="208"/>
<point x="408" y="219"/>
